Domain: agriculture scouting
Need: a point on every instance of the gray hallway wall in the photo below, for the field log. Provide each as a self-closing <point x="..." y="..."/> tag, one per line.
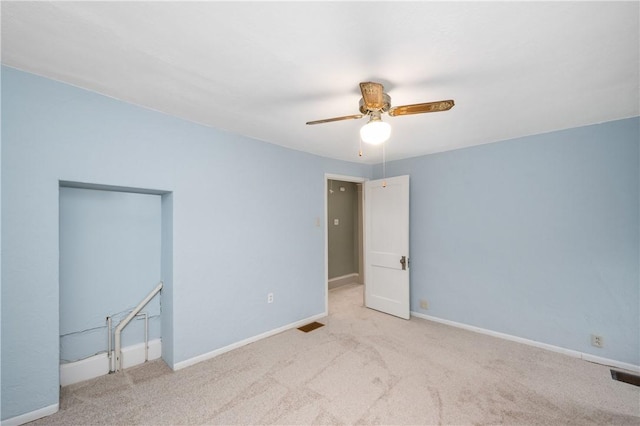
<point x="343" y="238"/>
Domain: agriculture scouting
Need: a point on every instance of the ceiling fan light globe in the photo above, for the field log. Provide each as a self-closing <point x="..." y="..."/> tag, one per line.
<point x="375" y="132"/>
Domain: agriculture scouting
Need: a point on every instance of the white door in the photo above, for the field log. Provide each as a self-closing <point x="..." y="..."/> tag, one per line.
<point x="387" y="245"/>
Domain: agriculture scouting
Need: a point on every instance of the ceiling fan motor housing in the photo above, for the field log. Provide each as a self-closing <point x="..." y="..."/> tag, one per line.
<point x="386" y="104"/>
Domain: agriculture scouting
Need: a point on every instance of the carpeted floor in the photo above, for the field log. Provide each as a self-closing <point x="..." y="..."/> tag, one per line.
<point x="361" y="367"/>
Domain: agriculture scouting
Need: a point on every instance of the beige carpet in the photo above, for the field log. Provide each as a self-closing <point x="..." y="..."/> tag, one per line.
<point x="362" y="367"/>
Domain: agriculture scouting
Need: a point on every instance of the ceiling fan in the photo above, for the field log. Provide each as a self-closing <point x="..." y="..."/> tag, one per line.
<point x="374" y="102"/>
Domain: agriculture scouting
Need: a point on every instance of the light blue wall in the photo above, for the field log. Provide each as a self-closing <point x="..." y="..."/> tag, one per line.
<point x="110" y="249"/>
<point x="236" y="235"/>
<point x="0" y="240"/>
<point x="536" y="237"/>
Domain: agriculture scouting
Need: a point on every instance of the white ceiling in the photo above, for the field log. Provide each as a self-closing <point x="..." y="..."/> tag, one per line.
<point x="263" y="69"/>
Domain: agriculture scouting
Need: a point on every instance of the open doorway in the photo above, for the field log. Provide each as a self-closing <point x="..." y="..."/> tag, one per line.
<point x="115" y="247"/>
<point x="344" y="231"/>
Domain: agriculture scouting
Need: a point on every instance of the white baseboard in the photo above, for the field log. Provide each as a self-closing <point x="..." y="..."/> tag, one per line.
<point x="31" y="416"/>
<point x="565" y="351"/>
<point x="610" y="362"/>
<point x="134" y="355"/>
<point x="204" y="357"/>
<point x="98" y="365"/>
<point x="344" y="279"/>
<point x="85" y="369"/>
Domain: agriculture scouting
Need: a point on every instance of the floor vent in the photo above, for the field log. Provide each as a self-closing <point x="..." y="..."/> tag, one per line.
<point x="310" y="327"/>
<point x="621" y="376"/>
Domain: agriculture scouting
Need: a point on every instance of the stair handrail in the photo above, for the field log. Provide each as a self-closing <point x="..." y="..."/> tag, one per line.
<point x="124" y="322"/>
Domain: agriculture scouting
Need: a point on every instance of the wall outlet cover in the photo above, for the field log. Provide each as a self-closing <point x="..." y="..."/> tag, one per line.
<point x="597" y="341"/>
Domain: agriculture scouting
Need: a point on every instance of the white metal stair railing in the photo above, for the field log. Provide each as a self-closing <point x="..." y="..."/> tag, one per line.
<point x="125" y="322"/>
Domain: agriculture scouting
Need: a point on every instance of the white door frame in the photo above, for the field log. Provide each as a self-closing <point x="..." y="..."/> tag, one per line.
<point x="343" y="178"/>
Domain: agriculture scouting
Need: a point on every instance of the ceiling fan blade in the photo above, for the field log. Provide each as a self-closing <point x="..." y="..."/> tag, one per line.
<point x="372" y="94"/>
<point x="328" y="120"/>
<point x="421" y="108"/>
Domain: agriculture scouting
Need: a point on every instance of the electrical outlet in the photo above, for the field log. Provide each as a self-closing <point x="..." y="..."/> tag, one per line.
<point x="597" y="341"/>
<point x="270" y="298"/>
<point x="424" y="304"/>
